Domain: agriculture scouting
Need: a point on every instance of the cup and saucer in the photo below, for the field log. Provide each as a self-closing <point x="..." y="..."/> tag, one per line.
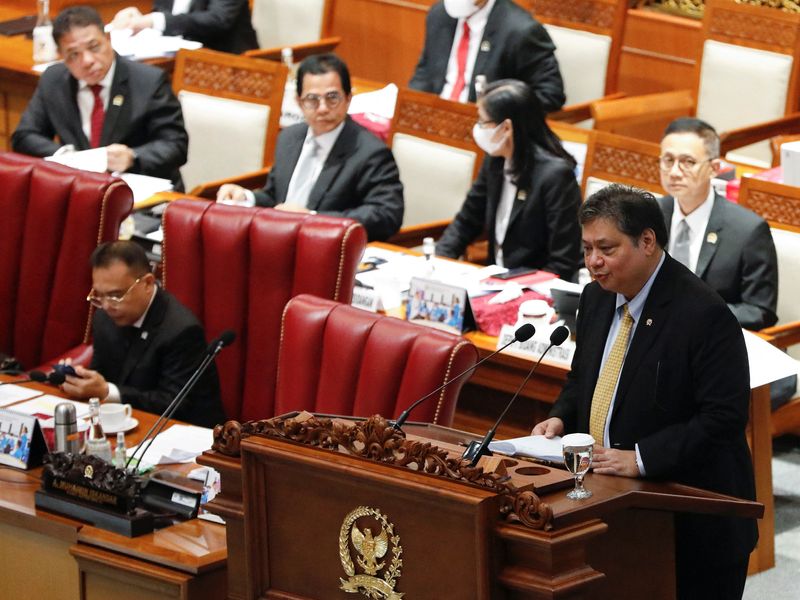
<point x="116" y="418"/>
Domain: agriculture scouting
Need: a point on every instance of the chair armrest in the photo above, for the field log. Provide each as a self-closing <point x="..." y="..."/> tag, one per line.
<point x="299" y="51"/>
<point x="782" y="336"/>
<point x="255" y="179"/>
<point x="744" y="136"/>
<point x="608" y="115"/>
<point x="79" y="355"/>
<point x="580" y="111"/>
<point x="412" y="236"/>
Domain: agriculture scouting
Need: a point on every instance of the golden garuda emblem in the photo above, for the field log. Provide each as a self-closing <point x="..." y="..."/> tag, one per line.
<point x="370" y="543"/>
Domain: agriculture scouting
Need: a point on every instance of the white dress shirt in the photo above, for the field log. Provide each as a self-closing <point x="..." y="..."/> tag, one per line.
<point x="85" y="99"/>
<point x="503" y="215"/>
<point x="697" y="221"/>
<point x="477" y="24"/>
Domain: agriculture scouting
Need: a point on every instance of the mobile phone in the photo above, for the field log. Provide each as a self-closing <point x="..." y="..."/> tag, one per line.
<point x="515" y="272"/>
<point x="65" y="370"/>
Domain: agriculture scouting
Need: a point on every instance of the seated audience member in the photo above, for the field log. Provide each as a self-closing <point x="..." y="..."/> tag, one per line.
<point x="146" y="343"/>
<point x="329" y="164"/>
<point x="222" y="25"/>
<point x="525" y="197"/>
<point x="726" y="245"/>
<point x="495" y="38"/>
<point x="96" y="98"/>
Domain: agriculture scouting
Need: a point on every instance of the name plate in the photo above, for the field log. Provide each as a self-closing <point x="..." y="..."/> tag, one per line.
<point x="439" y="305"/>
<point x="22" y="444"/>
<point x="366" y="298"/>
<point x="533" y="348"/>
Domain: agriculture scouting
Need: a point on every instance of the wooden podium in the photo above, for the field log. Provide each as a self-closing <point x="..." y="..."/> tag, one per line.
<point x="317" y="506"/>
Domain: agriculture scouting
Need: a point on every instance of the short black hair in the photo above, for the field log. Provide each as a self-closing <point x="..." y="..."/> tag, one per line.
<point x="75" y="16"/>
<point x="319" y="64"/>
<point x="124" y="251"/>
<point x="632" y="210"/>
<point x="701" y="129"/>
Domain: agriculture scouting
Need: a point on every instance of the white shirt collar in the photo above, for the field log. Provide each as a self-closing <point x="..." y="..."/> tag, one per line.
<point x="105" y="81"/>
<point x="697" y="220"/>
<point x="477" y="20"/>
<point x="636" y="304"/>
<point x="326" y="140"/>
<point x="140" y="320"/>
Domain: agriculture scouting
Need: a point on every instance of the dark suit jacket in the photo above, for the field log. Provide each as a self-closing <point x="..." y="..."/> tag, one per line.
<point x="683" y="397"/>
<point x="359" y="180"/>
<point x="543" y="231"/>
<point x="150" y="369"/>
<point x="142" y="113"/>
<point x="514" y="46"/>
<point x="222" y="25"/>
<point x="739" y="262"/>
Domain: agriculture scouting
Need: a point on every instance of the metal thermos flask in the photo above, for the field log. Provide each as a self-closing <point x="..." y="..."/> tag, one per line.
<point x="66" y="429"/>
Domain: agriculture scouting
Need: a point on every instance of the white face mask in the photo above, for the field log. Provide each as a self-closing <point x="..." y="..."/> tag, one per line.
<point x="485" y="138"/>
<point x="459" y="8"/>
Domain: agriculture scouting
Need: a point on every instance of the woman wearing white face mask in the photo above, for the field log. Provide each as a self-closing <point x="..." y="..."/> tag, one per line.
<point x="525" y="197"/>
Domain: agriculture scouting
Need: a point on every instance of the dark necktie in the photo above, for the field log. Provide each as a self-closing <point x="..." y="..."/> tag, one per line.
<point x="98" y="116"/>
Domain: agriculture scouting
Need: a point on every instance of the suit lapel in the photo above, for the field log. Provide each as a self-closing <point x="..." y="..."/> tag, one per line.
<point x="142" y="341"/>
<point x="444" y="43"/>
<point x="73" y="120"/>
<point x="494" y="192"/>
<point x="716" y="222"/>
<point x="667" y="204"/>
<point x="342" y="148"/>
<point x="117" y="99"/>
<point x="286" y="162"/>
<point x="488" y="43"/>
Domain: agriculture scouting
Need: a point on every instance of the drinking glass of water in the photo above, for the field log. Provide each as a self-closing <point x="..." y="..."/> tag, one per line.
<point x="577" y="450"/>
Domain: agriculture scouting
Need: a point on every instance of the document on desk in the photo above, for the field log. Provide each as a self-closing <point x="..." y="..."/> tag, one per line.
<point x="95" y="160"/>
<point x="178" y="444"/>
<point x="46" y="405"/>
<point x="534" y="446"/>
<point x="148" y="43"/>
<point x="144" y="186"/>
<point x="9" y="394"/>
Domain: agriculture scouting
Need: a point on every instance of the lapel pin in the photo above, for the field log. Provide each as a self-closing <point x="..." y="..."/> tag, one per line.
<point x="649" y="322"/>
<point x="522" y="195"/>
<point x="144" y="335"/>
<point x="118" y="100"/>
<point x="711" y="238"/>
<point x="486" y="46"/>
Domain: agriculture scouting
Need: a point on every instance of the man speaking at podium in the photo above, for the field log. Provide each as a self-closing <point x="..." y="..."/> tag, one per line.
<point x="146" y="343"/>
<point x="660" y="380"/>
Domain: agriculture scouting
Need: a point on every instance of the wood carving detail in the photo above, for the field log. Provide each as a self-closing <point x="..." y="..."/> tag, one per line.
<point x="773" y="207"/>
<point x="749" y="28"/>
<point x="587" y="12"/>
<point x="686" y="8"/>
<point x="789" y="6"/>
<point x="222" y="78"/>
<point x="626" y="163"/>
<point x="413" y="116"/>
<point x="375" y="439"/>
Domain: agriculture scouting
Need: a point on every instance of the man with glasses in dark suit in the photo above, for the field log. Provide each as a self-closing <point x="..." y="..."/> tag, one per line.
<point x="329" y="164"/>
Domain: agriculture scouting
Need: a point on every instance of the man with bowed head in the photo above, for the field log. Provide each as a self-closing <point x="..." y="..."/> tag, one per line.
<point x="660" y="380"/>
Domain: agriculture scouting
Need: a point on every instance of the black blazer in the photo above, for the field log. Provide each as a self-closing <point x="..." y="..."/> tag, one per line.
<point x="222" y="25"/>
<point x="359" y="180"/>
<point x="683" y="397"/>
<point x="738" y="260"/>
<point x="543" y="230"/>
<point x="514" y="46"/>
<point x="151" y="368"/>
<point x="142" y="113"/>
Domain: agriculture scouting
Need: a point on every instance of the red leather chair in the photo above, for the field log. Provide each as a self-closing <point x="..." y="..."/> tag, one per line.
<point x="236" y="268"/>
<point x="337" y="359"/>
<point x="53" y="217"/>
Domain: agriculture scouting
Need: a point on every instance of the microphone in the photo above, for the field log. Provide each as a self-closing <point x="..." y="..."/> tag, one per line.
<point x="477" y="449"/>
<point x="522" y="334"/>
<point x="225" y="339"/>
<point x="33" y="376"/>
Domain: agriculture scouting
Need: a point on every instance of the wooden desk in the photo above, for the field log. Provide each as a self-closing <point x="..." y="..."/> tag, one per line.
<point x="48" y="556"/>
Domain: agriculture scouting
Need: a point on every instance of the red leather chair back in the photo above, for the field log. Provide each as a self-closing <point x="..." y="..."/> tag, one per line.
<point x="52" y="219"/>
<point x="338" y="359"/>
<point x="236" y="267"/>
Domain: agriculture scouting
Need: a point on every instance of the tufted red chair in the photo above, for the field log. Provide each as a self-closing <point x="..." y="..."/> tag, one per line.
<point x="53" y="217"/>
<point x="337" y="359"/>
<point x="236" y="267"/>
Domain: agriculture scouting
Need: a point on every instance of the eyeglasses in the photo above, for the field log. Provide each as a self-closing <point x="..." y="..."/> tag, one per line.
<point x="97" y="300"/>
<point x="311" y="101"/>
<point x="686" y="164"/>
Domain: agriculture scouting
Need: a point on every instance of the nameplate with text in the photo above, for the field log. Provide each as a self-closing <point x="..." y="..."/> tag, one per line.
<point x="533" y="348"/>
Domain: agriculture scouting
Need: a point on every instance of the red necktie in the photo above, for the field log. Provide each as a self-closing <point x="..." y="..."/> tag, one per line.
<point x="98" y="116"/>
<point x="461" y="58"/>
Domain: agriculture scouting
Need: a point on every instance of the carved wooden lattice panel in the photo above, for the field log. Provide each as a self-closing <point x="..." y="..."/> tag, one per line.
<point x="422" y="118"/>
<point x="775" y="207"/>
<point x="615" y="161"/>
<point x="589" y="12"/>
<point x="258" y="85"/>
<point x="749" y="28"/>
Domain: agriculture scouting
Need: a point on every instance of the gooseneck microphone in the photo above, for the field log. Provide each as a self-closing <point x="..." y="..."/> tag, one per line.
<point x="35" y="377"/>
<point x="477" y="449"/>
<point x="225" y="339"/>
<point x="522" y="334"/>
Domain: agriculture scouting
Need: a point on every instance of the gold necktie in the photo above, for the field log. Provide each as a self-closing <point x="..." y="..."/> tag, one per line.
<point x="607" y="382"/>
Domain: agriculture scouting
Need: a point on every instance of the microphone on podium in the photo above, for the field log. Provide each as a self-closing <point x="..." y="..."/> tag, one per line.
<point x="38" y="377"/>
<point x="477" y="449"/>
<point x="522" y="334"/>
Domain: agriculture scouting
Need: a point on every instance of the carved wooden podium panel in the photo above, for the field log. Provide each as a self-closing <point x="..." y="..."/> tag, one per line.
<point x="333" y="509"/>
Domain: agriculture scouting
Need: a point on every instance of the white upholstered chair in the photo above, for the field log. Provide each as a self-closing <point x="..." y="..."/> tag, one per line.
<point x="280" y="23"/>
<point x="231" y="106"/>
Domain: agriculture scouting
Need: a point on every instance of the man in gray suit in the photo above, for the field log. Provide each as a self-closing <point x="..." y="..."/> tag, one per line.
<point x="727" y="246"/>
<point x="329" y="164"/>
<point x="98" y="99"/>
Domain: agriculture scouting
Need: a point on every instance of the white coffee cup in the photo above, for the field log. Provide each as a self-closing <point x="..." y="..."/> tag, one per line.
<point x="537" y="312"/>
<point x="113" y="415"/>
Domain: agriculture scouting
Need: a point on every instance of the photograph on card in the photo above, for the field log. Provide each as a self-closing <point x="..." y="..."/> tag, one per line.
<point x="439" y="305"/>
<point x="21" y="442"/>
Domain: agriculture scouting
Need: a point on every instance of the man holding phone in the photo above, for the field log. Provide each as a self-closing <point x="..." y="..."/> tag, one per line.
<point x="146" y="344"/>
